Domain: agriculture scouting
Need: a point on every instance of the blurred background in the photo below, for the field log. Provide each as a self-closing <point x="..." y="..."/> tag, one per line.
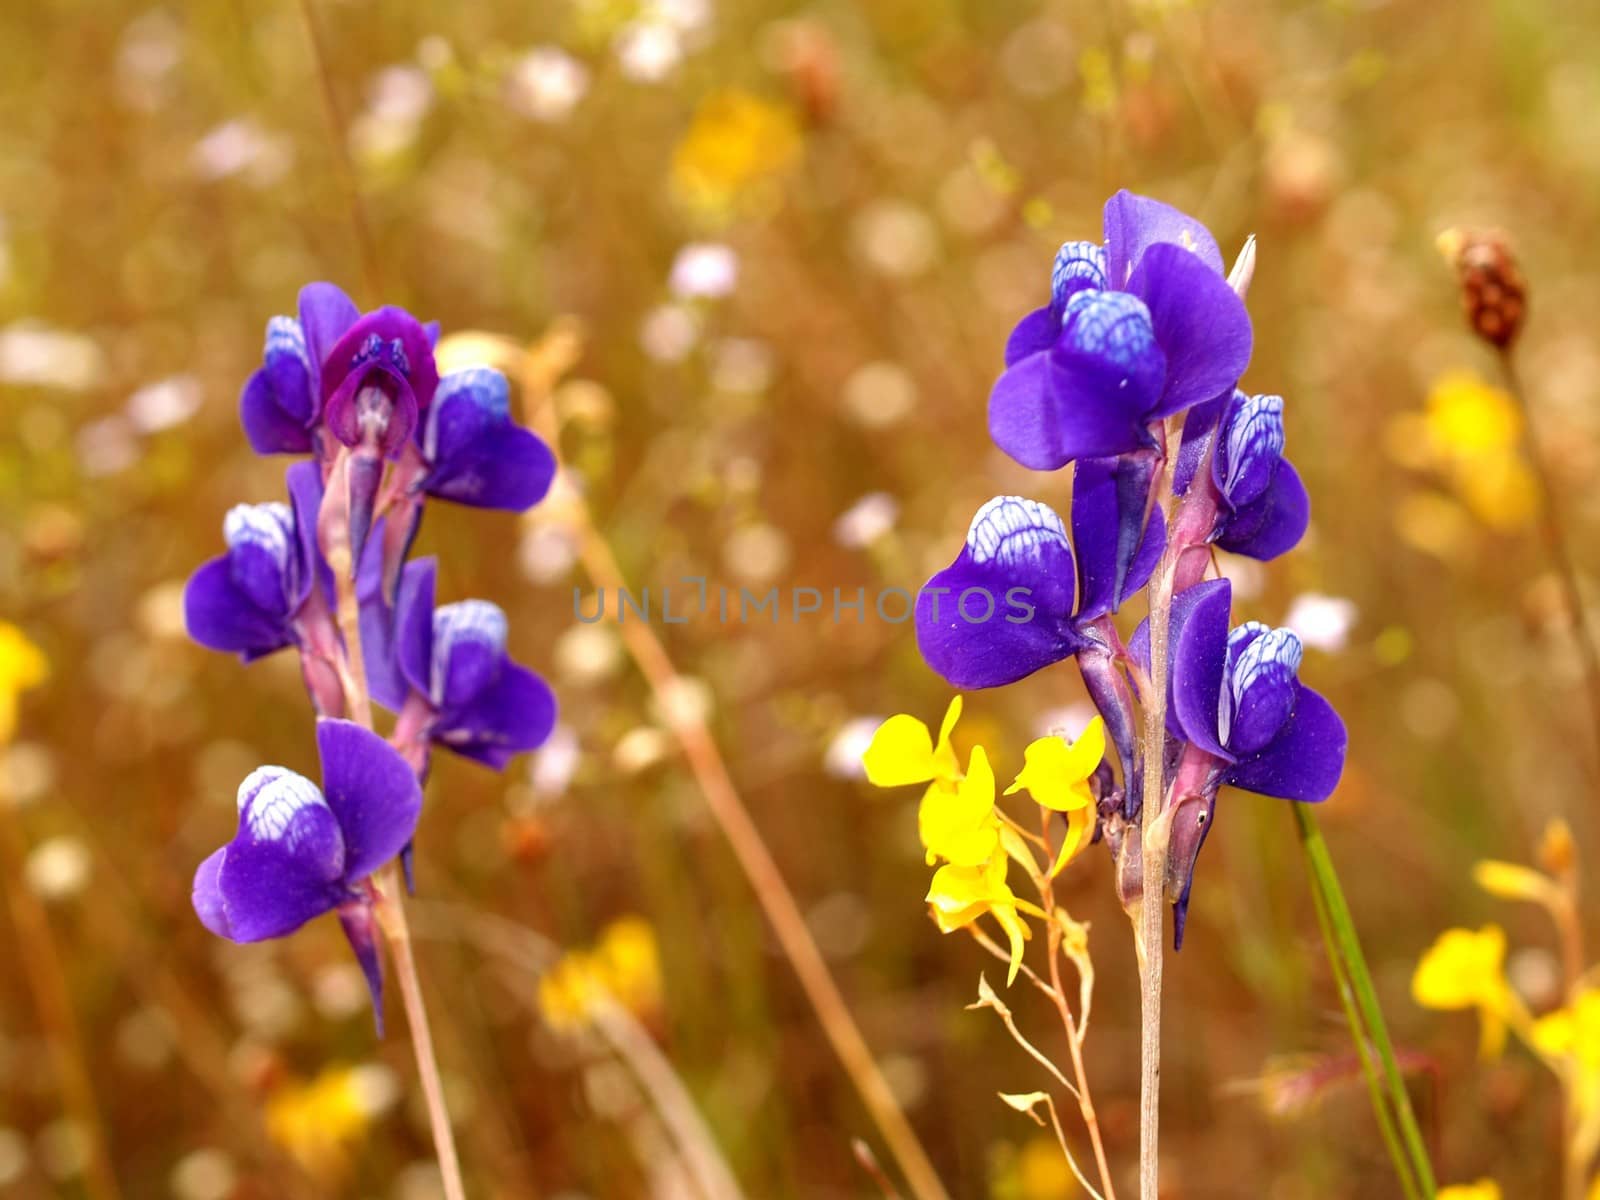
<point x="792" y="239"/>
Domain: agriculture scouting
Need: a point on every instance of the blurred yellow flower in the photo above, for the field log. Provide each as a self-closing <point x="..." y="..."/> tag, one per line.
<point x="1056" y="774"/>
<point x="902" y="751"/>
<point x="737" y="145"/>
<point x="22" y="666"/>
<point x="1035" y="1171"/>
<point x="960" y="895"/>
<point x="1465" y="969"/>
<point x="1484" y="1189"/>
<point x="1569" y="1039"/>
<point x="623" y="967"/>
<point x="319" y="1122"/>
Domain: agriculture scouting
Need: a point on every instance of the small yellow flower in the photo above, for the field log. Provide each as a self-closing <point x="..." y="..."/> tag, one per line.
<point x="318" y="1122"/>
<point x="737" y="145"/>
<point x="958" y="823"/>
<point x="1056" y="774"/>
<point x="1484" y="1189"/>
<point x="960" y="895"/>
<point x="1466" y="417"/>
<point x="1569" y="1039"/>
<point x="623" y="967"/>
<point x="1465" y="969"/>
<point x="903" y="751"/>
<point x="22" y="666"/>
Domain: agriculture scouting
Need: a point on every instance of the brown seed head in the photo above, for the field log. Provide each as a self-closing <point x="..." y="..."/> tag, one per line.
<point x="1493" y="292"/>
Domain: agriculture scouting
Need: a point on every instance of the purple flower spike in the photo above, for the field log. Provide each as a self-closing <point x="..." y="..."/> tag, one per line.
<point x="475" y="453"/>
<point x="1140" y="333"/>
<point x="448" y="674"/>
<point x="302" y="850"/>
<point x="246" y="601"/>
<point x="377" y="379"/>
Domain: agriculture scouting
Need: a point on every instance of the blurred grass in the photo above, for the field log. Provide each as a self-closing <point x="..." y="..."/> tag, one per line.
<point x="167" y="181"/>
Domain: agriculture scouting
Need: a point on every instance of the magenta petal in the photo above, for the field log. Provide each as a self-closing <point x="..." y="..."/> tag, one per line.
<point x="219" y="615"/>
<point x="1200" y="324"/>
<point x="1003" y="609"/>
<point x="207" y="895"/>
<point x="1135" y="223"/>
<point x="1035" y="332"/>
<point x="372" y="792"/>
<point x="1304" y="762"/>
<point x="1273" y="524"/>
<point x="513" y="714"/>
<point x="1198" y="637"/>
<point x="325" y="313"/>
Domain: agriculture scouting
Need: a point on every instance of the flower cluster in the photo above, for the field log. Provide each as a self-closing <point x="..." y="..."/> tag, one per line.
<point x="325" y="572"/>
<point x="1465" y="969"/>
<point x="1130" y="374"/>
<point x="962" y="827"/>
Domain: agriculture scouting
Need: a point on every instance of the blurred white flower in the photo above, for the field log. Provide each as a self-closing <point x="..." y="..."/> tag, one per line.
<point x="669" y="332"/>
<point x="58" y="868"/>
<point x="241" y="147"/>
<point x="879" y="394"/>
<point x="204" y="1175"/>
<point x="107" y="446"/>
<point x="150" y="47"/>
<point x="741" y="365"/>
<point x="648" y="52"/>
<point x="895" y="238"/>
<point x="163" y="404"/>
<point x="867" y="520"/>
<point x="546" y="553"/>
<point x="704" y="270"/>
<point x="34" y="355"/>
<point x="553" y="766"/>
<point x="398" y="98"/>
<point x="842" y="759"/>
<point x="1322" y="622"/>
<point x="546" y="84"/>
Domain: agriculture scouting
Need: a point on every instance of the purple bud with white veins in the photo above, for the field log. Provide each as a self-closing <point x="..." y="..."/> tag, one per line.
<point x="1259" y="686"/>
<point x="261" y="555"/>
<point x="469" y="643"/>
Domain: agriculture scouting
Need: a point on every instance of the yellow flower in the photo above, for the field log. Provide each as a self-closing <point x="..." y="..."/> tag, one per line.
<point x="1056" y="774"/>
<point x="1464" y="969"/>
<point x="960" y="895"/>
<point x="623" y="967"/>
<point x="1484" y="1189"/>
<point x="1465" y="417"/>
<point x="318" y="1122"/>
<point x="1569" y="1039"/>
<point x="22" y="666"/>
<point x="959" y="823"/>
<point x="903" y="752"/>
<point x="735" y="147"/>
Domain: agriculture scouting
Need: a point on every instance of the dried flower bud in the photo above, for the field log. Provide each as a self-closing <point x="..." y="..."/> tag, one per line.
<point x="1493" y="292"/>
<point x="1557" y="852"/>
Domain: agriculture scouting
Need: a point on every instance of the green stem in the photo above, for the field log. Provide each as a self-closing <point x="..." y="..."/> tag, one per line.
<point x="1359" y="1035"/>
<point x="1325" y="881"/>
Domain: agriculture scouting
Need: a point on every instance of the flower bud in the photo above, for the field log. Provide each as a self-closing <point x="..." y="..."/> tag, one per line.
<point x="1493" y="292"/>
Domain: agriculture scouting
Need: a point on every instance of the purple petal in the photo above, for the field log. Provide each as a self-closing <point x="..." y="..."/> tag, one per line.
<point x="413" y="637"/>
<point x="263" y="555"/>
<point x="469" y="644"/>
<point x="1034" y="334"/>
<point x="477" y="454"/>
<point x="267" y="891"/>
<point x="1052" y="408"/>
<point x="1275" y="523"/>
<point x="220" y="616"/>
<point x="372" y="792"/>
<point x="304" y="482"/>
<point x="360" y="929"/>
<point x="515" y="713"/>
<point x="1200" y="324"/>
<point x="325" y="313"/>
<point x="1078" y="267"/>
<point x="1135" y="223"/>
<point x="1250" y="449"/>
<point x="1261" y="685"/>
<point x="1006" y="606"/>
<point x="1198" y="638"/>
<point x="385" y="681"/>
<point x="1304" y="761"/>
<point x="207" y="895"/>
<point x="1199" y="423"/>
<point x="1119" y="535"/>
<point x="279" y="402"/>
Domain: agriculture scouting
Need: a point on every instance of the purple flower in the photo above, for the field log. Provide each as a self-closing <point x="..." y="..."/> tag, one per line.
<point x="302" y="851"/>
<point x="475" y="453"/>
<point x="1014" y="602"/>
<point x="250" y="601"/>
<point x="1134" y="333"/>
<point x="367" y="379"/>
<point x="446" y="672"/>
<point x="1262" y="506"/>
